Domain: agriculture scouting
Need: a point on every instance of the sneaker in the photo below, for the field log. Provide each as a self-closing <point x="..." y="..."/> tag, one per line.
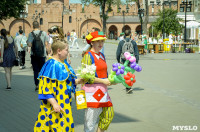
<point x="8" y="88"/>
<point x="129" y="90"/>
<point x="36" y="89"/>
<point x="77" y="47"/>
<point x="23" y="67"/>
<point x="20" y="68"/>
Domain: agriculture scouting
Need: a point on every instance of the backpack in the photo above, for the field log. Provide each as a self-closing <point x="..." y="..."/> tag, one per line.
<point x="127" y="47"/>
<point x="37" y="45"/>
<point x="23" y="43"/>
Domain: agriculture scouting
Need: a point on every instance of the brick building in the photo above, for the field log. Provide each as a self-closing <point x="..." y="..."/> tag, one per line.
<point x="49" y="14"/>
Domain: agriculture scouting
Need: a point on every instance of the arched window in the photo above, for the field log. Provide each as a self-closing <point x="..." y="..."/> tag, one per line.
<point x="41" y="21"/>
<point x="70" y="19"/>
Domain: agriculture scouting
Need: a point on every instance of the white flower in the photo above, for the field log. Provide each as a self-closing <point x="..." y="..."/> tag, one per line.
<point x="80" y="99"/>
<point x="93" y="67"/>
<point x="84" y="71"/>
<point x="91" y="72"/>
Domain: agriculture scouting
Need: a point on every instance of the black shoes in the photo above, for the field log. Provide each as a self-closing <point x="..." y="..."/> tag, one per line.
<point x="8" y="88"/>
<point x="129" y="90"/>
<point x="36" y="88"/>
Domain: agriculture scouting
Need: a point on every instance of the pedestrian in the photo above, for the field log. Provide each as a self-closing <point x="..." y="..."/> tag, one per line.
<point x="145" y="44"/>
<point x="98" y="101"/>
<point x="68" y="36"/>
<point x="121" y="37"/>
<point x="20" y="41"/>
<point x="83" y="37"/>
<point x="8" y="55"/>
<point x="170" y="41"/>
<point x="38" y="41"/>
<point x="50" y="40"/>
<point x="71" y="35"/>
<point x="61" y="37"/>
<point x="74" y="40"/>
<point x="127" y="45"/>
<point x="57" y="81"/>
<point x="55" y="31"/>
<point x="17" y="33"/>
<point x="180" y="37"/>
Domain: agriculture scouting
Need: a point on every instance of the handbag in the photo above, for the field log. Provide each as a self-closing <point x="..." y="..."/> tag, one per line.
<point x="16" y="62"/>
<point x="81" y="100"/>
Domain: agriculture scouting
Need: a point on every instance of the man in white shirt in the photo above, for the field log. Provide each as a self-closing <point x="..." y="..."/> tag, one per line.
<point x="20" y="41"/>
<point x="74" y="40"/>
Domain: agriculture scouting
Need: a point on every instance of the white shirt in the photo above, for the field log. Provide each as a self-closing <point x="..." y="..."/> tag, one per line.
<point x="121" y="38"/>
<point x="170" y="39"/>
<point x="18" y="41"/>
<point x="74" y="35"/>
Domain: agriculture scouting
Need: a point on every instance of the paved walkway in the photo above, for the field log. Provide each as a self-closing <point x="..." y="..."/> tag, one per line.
<point x="166" y="94"/>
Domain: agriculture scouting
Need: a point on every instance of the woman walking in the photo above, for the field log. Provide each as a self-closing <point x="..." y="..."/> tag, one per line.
<point x="8" y="56"/>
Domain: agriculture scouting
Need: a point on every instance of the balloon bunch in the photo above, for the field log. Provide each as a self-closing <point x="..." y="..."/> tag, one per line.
<point x="118" y="70"/>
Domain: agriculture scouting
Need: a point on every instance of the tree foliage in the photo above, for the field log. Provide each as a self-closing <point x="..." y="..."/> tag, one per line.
<point x="10" y="8"/>
<point x="171" y="22"/>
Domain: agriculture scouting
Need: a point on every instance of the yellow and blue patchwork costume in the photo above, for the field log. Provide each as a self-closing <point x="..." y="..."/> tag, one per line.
<point x="57" y="80"/>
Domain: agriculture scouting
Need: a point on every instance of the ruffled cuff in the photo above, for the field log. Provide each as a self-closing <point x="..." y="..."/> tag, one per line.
<point x="45" y="96"/>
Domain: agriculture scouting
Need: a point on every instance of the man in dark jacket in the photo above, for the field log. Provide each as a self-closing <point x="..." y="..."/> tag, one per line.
<point x="119" y="51"/>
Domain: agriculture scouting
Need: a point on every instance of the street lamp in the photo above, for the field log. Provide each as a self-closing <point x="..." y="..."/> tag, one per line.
<point x="23" y="15"/>
<point x="185" y="6"/>
<point x="123" y="13"/>
<point x="163" y="4"/>
<point x="141" y="14"/>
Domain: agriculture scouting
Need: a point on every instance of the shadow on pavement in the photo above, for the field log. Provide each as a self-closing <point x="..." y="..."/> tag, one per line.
<point x="137" y="89"/>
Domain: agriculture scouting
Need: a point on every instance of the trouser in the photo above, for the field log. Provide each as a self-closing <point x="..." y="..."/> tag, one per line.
<point x="75" y="41"/>
<point x="105" y="115"/>
<point x="37" y="63"/>
<point x="21" y="55"/>
<point x="87" y="46"/>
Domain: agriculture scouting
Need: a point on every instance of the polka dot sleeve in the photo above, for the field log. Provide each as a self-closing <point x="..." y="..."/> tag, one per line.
<point x="47" y="88"/>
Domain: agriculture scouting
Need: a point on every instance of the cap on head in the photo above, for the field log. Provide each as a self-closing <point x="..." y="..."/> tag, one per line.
<point x="94" y="36"/>
<point x="121" y="33"/>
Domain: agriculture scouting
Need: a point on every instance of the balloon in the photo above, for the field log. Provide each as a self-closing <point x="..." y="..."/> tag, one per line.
<point x="127" y="55"/>
<point x="139" y="69"/>
<point x="118" y="70"/>
<point x="136" y="67"/>
<point x="129" y="79"/>
<point x="132" y="59"/>
<point x="133" y="64"/>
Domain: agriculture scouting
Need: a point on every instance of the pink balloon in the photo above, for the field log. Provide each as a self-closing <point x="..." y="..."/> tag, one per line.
<point x="127" y="55"/>
<point x="132" y="59"/>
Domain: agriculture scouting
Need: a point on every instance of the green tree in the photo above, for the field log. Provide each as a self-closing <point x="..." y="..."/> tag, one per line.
<point x="102" y="4"/>
<point x="171" y="22"/>
<point x="10" y="8"/>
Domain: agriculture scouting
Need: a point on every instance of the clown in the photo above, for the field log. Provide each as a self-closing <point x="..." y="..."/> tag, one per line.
<point x="98" y="101"/>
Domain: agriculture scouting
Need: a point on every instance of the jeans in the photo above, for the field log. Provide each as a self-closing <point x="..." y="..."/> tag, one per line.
<point x="37" y="63"/>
